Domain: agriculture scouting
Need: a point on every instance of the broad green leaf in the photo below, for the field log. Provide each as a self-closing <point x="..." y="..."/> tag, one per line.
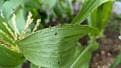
<point x="19" y="66"/>
<point x="58" y="11"/>
<point x="34" y="66"/>
<point x="11" y="7"/>
<point x="1" y="2"/>
<point x="54" y="47"/>
<point x="63" y="8"/>
<point x="12" y="67"/>
<point x="48" y="4"/>
<point x="20" y="19"/>
<point x="84" y="58"/>
<point x="32" y="4"/>
<point x="99" y="18"/>
<point x="87" y="8"/>
<point x="9" y="59"/>
<point x="6" y="67"/>
<point x="67" y="6"/>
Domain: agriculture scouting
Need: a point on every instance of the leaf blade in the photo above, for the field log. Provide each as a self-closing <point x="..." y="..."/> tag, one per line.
<point x="88" y="7"/>
<point x="8" y="58"/>
<point x="49" y="47"/>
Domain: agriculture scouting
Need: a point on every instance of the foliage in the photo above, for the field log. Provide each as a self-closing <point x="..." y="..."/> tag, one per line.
<point x="53" y="54"/>
<point x="24" y="34"/>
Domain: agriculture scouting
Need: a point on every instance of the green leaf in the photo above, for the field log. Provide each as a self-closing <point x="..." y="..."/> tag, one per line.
<point x="63" y="8"/>
<point x="34" y="66"/>
<point x="100" y="17"/>
<point x="117" y="61"/>
<point x="54" y="47"/>
<point x="20" y="20"/>
<point x="66" y="6"/>
<point x="20" y="66"/>
<point x="32" y="4"/>
<point x="1" y="2"/>
<point x="48" y="4"/>
<point x="87" y="8"/>
<point x="84" y="58"/>
<point x="58" y="11"/>
<point x="9" y="59"/>
<point x="14" y="7"/>
<point x="9" y="7"/>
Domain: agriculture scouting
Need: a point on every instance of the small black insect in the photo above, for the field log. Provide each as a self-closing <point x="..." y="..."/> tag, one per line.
<point x="56" y="33"/>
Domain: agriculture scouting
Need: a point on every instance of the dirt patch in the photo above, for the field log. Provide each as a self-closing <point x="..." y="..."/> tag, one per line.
<point x="109" y="46"/>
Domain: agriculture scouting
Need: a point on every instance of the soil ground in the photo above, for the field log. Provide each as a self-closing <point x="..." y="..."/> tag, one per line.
<point x="109" y="46"/>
